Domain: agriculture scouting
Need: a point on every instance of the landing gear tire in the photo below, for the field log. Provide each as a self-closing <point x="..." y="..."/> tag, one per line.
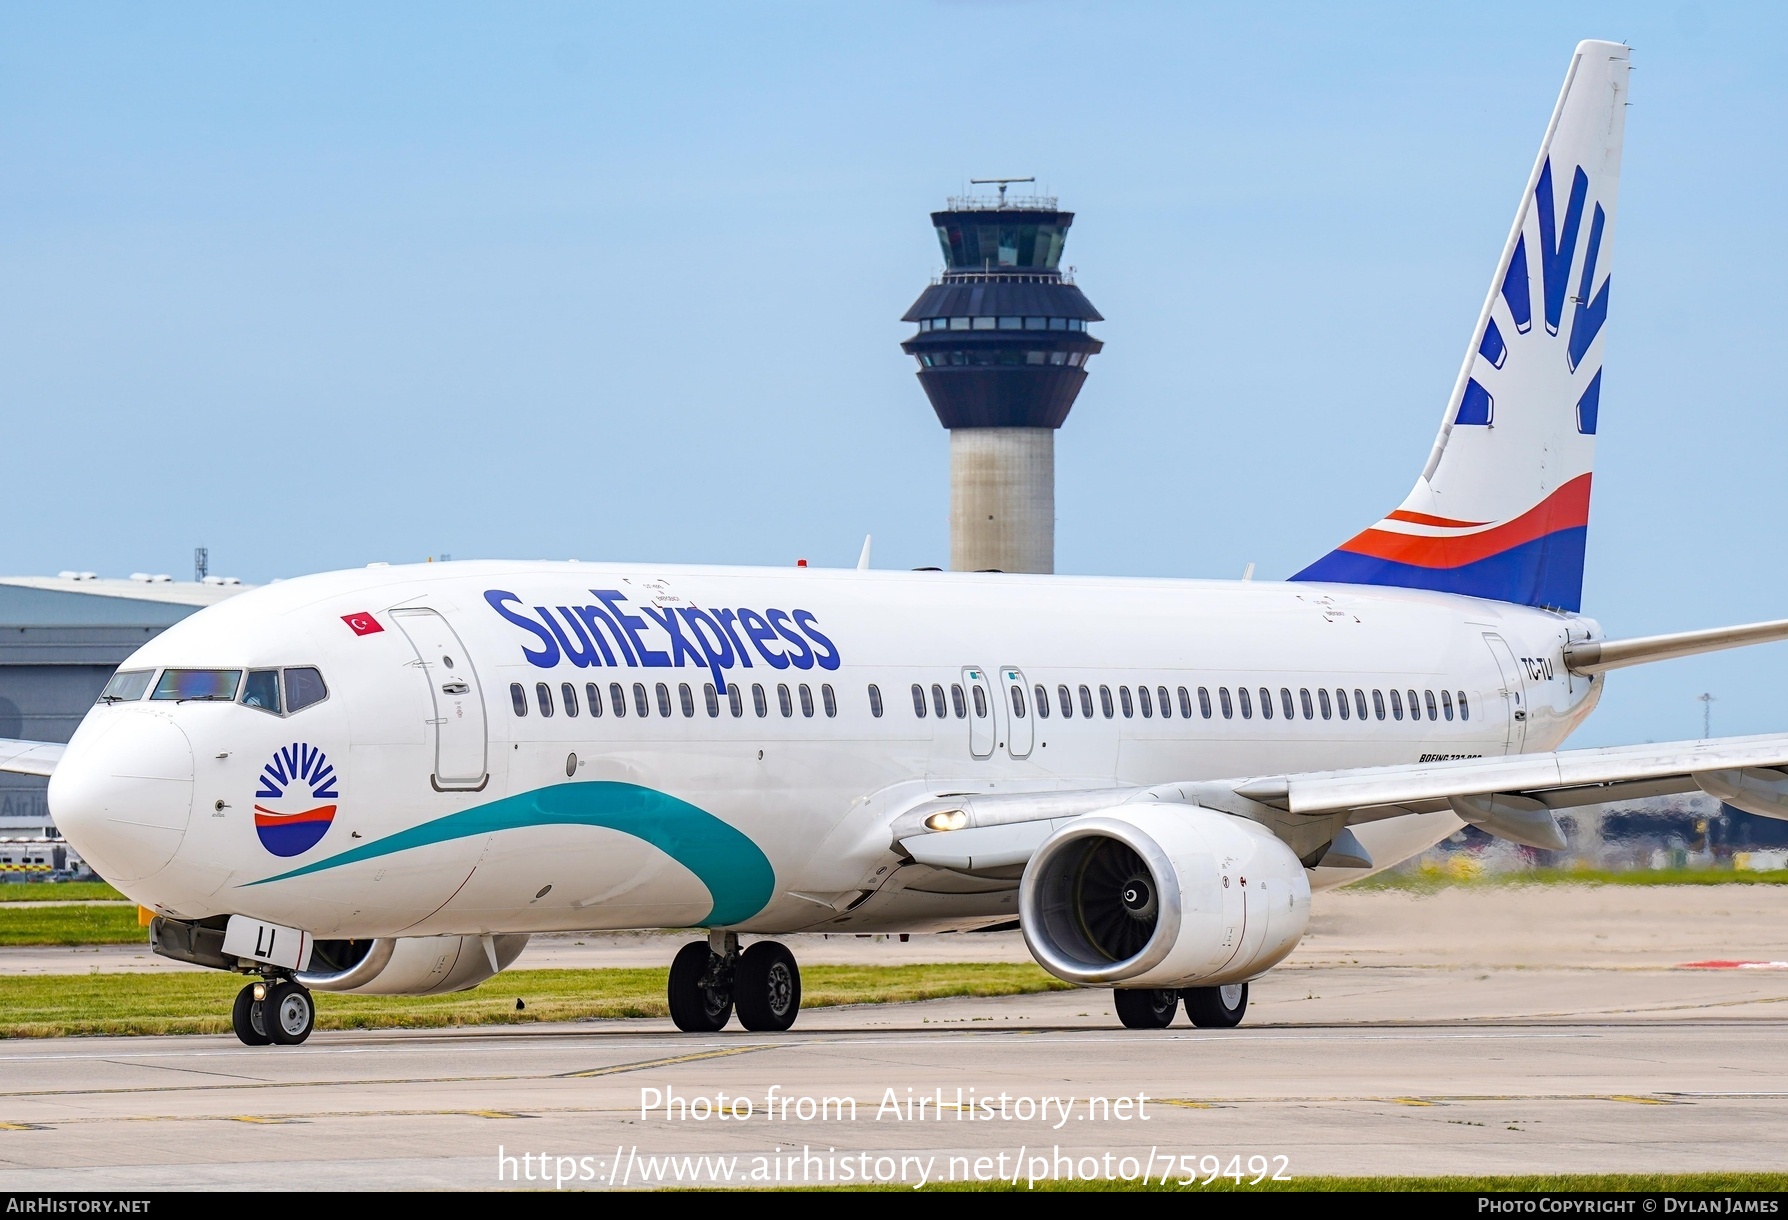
<point x="1216" y="1007"/>
<point x="288" y="1013"/>
<point x="767" y="991"/>
<point x="246" y="1018"/>
<point x="1146" y="1007"/>
<point x="701" y="1002"/>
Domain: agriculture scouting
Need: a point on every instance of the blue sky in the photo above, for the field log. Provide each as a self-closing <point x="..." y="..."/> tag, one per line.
<point x="317" y="285"/>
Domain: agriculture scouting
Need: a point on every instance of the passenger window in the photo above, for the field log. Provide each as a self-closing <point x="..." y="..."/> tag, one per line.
<point x="1042" y="696"/>
<point x="126" y="687"/>
<point x="1148" y="704"/>
<point x="1304" y="698"/>
<point x="641" y="701"/>
<point x="1266" y="704"/>
<point x="1204" y="702"/>
<point x="1105" y="702"/>
<point x="784" y="700"/>
<point x="1322" y="701"/>
<point x="1086" y="701"/>
<point x="937" y="700"/>
<point x="305" y="687"/>
<point x="1428" y="698"/>
<point x="957" y="703"/>
<point x="1464" y="708"/>
<point x="519" y="697"/>
<point x="1241" y="695"/>
<point x="918" y="701"/>
<point x="1415" y="707"/>
<point x="980" y="703"/>
<point x="1223" y="698"/>
<point x="1017" y="702"/>
<point x="1378" y="703"/>
<point x="829" y="699"/>
<point x="686" y="697"/>
<point x="568" y="696"/>
<point x="1066" y="701"/>
<point x="1446" y="704"/>
<point x="1186" y="705"/>
<point x="543" y="696"/>
<point x="617" y="698"/>
<point x="1341" y="701"/>
<point x="875" y="701"/>
<point x="759" y="703"/>
<point x="664" y="700"/>
<point x="1166" y="703"/>
<point x="260" y="690"/>
<point x="1124" y="699"/>
<point x="735" y="699"/>
<point x="806" y="700"/>
<point x="1285" y="703"/>
<point x="1396" y="706"/>
<point x="1359" y="702"/>
<point x="711" y="697"/>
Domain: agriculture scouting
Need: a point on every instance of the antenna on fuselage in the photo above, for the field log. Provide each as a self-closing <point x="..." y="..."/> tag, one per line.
<point x="863" y="559"/>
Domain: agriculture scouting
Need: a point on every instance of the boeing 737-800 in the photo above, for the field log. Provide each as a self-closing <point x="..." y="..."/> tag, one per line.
<point x="384" y="780"/>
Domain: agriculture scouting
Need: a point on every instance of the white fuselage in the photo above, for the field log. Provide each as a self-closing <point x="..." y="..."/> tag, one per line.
<point x="449" y="811"/>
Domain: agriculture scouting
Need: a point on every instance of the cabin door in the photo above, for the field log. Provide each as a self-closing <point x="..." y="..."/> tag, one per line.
<point x="456" y="703"/>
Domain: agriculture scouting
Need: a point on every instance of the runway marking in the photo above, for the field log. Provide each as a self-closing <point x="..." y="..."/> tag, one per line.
<point x="1414" y="1101"/>
<point x="643" y="1064"/>
<point x="1726" y="965"/>
<point x="1186" y="1104"/>
<point x="262" y="1118"/>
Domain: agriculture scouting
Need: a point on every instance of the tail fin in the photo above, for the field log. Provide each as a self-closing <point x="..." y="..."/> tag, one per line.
<point x="1502" y="509"/>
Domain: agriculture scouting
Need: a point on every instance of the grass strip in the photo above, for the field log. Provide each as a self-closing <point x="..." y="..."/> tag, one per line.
<point x="71" y="925"/>
<point x="188" y="1002"/>
<point x="1550" y="1183"/>
<point x="58" y="891"/>
<point x="1432" y="882"/>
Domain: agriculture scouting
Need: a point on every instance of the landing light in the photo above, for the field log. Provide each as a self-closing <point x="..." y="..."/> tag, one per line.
<point x="948" y="819"/>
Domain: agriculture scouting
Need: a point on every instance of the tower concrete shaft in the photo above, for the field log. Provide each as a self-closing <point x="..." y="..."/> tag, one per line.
<point x="1002" y="499"/>
<point x="1002" y="348"/>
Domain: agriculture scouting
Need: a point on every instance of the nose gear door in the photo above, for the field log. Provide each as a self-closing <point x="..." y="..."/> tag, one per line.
<point x="455" y="699"/>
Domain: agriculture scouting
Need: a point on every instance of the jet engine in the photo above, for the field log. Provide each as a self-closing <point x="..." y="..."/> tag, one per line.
<point x="1162" y="896"/>
<point x="408" y="965"/>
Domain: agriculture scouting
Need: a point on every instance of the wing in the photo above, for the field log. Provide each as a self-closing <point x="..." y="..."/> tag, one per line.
<point x="30" y="757"/>
<point x="1512" y="797"/>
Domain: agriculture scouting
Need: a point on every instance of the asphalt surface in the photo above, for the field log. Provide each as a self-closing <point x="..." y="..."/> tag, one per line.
<point x="1408" y="1036"/>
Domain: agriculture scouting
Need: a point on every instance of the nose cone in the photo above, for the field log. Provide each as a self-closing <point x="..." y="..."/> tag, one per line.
<point x="122" y="793"/>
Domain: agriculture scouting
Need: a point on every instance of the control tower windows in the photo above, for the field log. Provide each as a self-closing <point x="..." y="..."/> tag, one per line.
<point x="1058" y="324"/>
<point x="983" y="323"/>
<point x="1036" y="357"/>
<point x="959" y="323"/>
<point x="1011" y="323"/>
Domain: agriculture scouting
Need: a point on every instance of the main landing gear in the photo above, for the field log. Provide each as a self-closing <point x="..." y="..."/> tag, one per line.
<point x="711" y="979"/>
<point x="275" y="1011"/>
<point x="1206" y="1007"/>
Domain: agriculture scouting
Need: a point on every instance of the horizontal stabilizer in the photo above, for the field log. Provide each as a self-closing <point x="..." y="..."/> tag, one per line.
<point x="1602" y="655"/>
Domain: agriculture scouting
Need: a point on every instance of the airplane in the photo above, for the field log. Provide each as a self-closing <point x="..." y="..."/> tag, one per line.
<point x="385" y="780"/>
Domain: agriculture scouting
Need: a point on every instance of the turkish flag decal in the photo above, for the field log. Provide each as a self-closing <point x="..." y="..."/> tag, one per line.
<point x="362" y="623"/>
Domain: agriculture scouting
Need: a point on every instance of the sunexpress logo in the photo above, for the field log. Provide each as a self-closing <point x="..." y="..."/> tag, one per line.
<point x="666" y="637"/>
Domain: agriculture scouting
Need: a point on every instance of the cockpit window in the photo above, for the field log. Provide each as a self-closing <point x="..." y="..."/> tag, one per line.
<point x="127" y="686"/>
<point x="303" y="688"/>
<point x="182" y="684"/>
<point x="262" y="690"/>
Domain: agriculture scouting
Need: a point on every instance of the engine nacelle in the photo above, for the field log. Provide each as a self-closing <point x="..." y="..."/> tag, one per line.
<point x="409" y="965"/>
<point x="1162" y="896"/>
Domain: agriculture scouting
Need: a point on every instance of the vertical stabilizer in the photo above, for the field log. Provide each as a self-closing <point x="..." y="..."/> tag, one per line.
<point x="1502" y="509"/>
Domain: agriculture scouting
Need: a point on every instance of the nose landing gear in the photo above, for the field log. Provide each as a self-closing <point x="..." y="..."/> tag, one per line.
<point x="710" y="980"/>
<point x="276" y="1011"/>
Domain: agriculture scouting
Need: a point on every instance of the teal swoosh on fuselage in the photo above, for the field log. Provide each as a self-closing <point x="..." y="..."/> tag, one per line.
<point x="738" y="875"/>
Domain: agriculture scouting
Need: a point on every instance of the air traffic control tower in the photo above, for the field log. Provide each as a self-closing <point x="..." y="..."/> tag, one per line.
<point x="1002" y="348"/>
